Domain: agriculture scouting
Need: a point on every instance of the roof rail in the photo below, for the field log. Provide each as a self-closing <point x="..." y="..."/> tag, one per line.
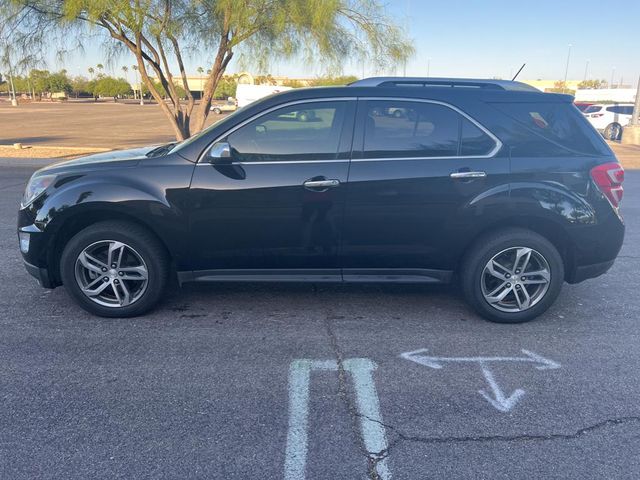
<point x="443" y="82"/>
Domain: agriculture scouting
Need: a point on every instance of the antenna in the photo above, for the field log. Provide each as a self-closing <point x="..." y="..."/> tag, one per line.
<point x="518" y="72"/>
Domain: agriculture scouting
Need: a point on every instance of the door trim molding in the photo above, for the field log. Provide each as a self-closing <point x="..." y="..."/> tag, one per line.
<point x="311" y="275"/>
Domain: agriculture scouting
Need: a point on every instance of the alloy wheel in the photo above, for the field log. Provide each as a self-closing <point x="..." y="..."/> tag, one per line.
<point x="515" y="279"/>
<point x="111" y="273"/>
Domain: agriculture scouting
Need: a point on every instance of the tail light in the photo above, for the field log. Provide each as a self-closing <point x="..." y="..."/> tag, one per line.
<point x="609" y="177"/>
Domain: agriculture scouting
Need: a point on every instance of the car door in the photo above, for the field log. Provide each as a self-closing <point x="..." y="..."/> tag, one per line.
<point x="416" y="167"/>
<point x="274" y="207"/>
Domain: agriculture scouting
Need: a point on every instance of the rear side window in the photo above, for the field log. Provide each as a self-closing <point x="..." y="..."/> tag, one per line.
<point x="592" y="109"/>
<point x="404" y="129"/>
<point x="558" y="123"/>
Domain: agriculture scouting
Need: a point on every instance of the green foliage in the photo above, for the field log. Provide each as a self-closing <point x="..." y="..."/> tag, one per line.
<point x="560" y="87"/>
<point x="163" y="93"/>
<point x="226" y="88"/>
<point x="111" y="87"/>
<point x="334" y="81"/>
<point x="592" y="84"/>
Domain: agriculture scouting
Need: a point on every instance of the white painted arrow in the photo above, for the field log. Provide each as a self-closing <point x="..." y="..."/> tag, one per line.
<point x="499" y="401"/>
<point x="497" y="397"/>
<point x="436" y="362"/>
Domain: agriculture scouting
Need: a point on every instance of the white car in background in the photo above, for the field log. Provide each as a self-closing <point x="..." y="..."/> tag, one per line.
<point x="609" y="119"/>
<point x="229" y="106"/>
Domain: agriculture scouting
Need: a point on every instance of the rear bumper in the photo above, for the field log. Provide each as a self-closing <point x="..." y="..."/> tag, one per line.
<point x="40" y="274"/>
<point x="585" y="272"/>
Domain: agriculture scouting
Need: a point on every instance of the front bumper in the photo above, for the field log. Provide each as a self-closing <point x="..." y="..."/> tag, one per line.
<point x="40" y="274"/>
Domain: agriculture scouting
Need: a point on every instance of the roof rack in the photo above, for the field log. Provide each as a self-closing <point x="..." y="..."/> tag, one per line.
<point x="443" y="82"/>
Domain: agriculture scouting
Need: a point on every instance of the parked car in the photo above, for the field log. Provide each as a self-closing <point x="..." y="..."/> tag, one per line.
<point x="507" y="190"/>
<point x="247" y="94"/>
<point x="582" y="106"/>
<point x="609" y="119"/>
<point x="229" y="106"/>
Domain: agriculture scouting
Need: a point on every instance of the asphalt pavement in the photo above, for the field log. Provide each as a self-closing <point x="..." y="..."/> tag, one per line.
<point x="248" y="381"/>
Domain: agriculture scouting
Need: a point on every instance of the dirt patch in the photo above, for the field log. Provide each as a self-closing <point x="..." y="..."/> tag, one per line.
<point x="47" y="152"/>
<point x="628" y="155"/>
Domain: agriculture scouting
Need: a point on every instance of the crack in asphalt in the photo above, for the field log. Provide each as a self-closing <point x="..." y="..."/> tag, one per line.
<point x="403" y="437"/>
<point x="372" y="458"/>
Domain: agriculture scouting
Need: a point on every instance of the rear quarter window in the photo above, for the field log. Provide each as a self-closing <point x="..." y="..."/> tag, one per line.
<point x="560" y="124"/>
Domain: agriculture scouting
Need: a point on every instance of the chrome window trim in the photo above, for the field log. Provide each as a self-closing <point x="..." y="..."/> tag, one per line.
<point x="265" y="112"/>
<point x="491" y="154"/>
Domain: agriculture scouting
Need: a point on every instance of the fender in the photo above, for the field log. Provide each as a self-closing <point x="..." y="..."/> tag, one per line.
<point x="155" y="197"/>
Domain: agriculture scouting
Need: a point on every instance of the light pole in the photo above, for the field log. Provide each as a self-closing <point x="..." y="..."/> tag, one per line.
<point x="566" y="69"/>
<point x="14" y="101"/>
<point x="613" y="71"/>
<point x="586" y="70"/>
<point x="635" y="118"/>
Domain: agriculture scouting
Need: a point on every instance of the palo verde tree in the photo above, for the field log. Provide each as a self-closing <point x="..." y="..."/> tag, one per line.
<point x="159" y="33"/>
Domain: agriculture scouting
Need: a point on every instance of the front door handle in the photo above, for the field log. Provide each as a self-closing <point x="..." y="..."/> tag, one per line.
<point x="464" y="175"/>
<point x="321" y="185"/>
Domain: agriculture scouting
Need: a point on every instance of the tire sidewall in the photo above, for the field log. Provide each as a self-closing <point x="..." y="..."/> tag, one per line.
<point x="156" y="275"/>
<point x="475" y="265"/>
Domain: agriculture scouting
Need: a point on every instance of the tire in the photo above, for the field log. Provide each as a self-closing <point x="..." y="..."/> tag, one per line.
<point x="478" y="282"/>
<point x="217" y="111"/>
<point x="613" y="131"/>
<point x="143" y="266"/>
<point x="398" y="114"/>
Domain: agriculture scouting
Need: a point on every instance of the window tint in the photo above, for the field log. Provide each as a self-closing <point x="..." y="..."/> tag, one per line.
<point x="627" y="110"/>
<point x="396" y="129"/>
<point x="558" y="123"/>
<point x="614" y="109"/>
<point x="592" y="109"/>
<point x="474" y="142"/>
<point x="309" y="131"/>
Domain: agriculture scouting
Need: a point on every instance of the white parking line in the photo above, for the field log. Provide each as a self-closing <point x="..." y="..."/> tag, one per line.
<point x="367" y="404"/>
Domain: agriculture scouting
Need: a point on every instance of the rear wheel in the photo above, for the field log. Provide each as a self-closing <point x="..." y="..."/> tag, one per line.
<point x="613" y="131"/>
<point x="512" y="276"/>
<point x="114" y="269"/>
<point x="217" y="111"/>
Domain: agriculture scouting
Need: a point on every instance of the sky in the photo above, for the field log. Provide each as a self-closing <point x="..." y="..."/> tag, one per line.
<point x="479" y="38"/>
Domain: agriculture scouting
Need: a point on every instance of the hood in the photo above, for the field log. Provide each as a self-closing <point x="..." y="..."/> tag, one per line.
<point x="129" y="157"/>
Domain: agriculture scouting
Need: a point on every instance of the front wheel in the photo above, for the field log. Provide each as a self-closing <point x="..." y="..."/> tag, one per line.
<point x="613" y="131"/>
<point x="217" y="111"/>
<point x="512" y="276"/>
<point x="114" y="269"/>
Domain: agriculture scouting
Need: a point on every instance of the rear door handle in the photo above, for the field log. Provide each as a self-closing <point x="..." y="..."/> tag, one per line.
<point x="321" y="185"/>
<point x="464" y="175"/>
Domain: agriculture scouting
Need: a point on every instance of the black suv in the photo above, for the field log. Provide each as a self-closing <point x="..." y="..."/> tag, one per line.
<point x="507" y="189"/>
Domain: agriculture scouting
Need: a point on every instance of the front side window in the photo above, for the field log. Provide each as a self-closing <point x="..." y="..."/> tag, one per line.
<point x="307" y="131"/>
<point x="401" y="129"/>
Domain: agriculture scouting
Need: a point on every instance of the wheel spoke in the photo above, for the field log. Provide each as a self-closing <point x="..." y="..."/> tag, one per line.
<point x="91" y="263"/>
<point x="95" y="291"/>
<point x="124" y="298"/>
<point x="134" y="273"/>
<point x="498" y="294"/>
<point x="523" y="298"/>
<point x="523" y="255"/>
<point x="115" y="253"/>
<point x="497" y="270"/>
<point x="543" y="275"/>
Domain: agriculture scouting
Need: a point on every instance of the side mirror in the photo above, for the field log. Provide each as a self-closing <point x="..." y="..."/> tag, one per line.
<point x="220" y="151"/>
